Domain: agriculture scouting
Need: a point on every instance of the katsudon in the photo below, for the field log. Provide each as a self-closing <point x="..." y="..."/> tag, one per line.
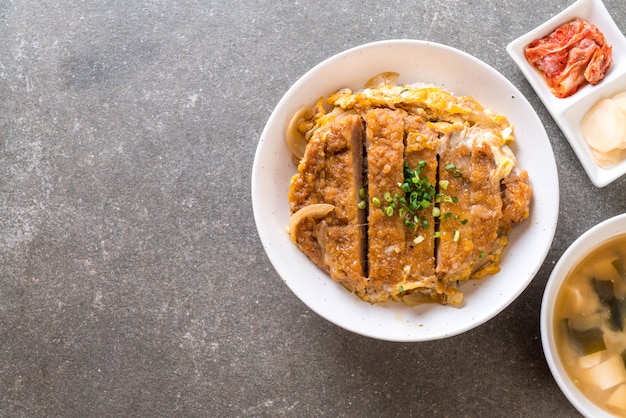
<point x="404" y="191"/>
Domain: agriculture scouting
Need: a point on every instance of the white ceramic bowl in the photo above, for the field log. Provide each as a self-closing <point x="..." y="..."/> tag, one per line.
<point x="582" y="246"/>
<point x="462" y="74"/>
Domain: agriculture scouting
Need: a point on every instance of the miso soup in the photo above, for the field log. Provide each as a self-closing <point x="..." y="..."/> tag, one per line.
<point x="590" y="325"/>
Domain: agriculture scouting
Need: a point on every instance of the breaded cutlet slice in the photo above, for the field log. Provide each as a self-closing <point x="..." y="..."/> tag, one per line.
<point x="385" y="169"/>
<point x="331" y="173"/>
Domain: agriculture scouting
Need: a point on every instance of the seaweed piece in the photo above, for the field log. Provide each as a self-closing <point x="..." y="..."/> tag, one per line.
<point x="586" y="342"/>
<point x="617" y="319"/>
<point x="605" y="291"/>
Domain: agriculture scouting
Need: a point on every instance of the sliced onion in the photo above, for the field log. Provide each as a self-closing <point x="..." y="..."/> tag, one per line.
<point x="381" y="79"/>
<point x="296" y="141"/>
<point x="312" y="211"/>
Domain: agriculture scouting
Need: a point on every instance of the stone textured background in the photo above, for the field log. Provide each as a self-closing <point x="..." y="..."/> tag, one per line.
<point x="132" y="280"/>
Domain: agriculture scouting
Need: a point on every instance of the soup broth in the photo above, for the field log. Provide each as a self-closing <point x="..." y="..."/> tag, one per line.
<point x="590" y="325"/>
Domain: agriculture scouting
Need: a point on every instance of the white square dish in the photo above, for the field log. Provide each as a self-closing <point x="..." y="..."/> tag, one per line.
<point x="568" y="112"/>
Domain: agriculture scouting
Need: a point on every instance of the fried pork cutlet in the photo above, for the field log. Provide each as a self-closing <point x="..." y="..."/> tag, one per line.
<point x="405" y="192"/>
<point x="421" y="144"/>
<point x="385" y="169"/>
<point x="330" y="173"/>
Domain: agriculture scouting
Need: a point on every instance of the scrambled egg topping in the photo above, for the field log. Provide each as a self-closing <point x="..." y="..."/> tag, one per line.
<point x="445" y="112"/>
<point x="383" y="239"/>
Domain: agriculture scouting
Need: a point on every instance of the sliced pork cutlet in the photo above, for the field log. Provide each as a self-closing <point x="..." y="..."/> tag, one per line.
<point x="516" y="196"/>
<point x="455" y="246"/>
<point x="331" y="172"/>
<point x="485" y="210"/>
<point x="421" y="149"/>
<point x="386" y="234"/>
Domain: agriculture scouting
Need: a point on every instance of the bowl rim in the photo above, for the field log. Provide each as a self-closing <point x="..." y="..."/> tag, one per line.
<point x="585" y="243"/>
<point x="543" y="219"/>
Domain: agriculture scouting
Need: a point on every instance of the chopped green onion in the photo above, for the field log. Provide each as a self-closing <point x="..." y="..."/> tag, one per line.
<point x="362" y="193"/>
<point x="361" y="204"/>
<point x="481" y="255"/>
<point x="457" y="235"/>
<point x="416" y="193"/>
<point x="438" y="234"/>
<point x="400" y="288"/>
<point x="464" y="221"/>
<point x="418" y="239"/>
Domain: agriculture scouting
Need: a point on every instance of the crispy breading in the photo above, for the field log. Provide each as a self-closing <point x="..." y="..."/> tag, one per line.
<point x="407" y="238"/>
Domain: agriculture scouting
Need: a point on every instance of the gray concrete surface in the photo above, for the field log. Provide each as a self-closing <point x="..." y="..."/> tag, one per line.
<point x="132" y="280"/>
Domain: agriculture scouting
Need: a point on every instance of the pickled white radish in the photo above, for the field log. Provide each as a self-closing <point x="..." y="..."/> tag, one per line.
<point x="620" y="98"/>
<point x="604" y="126"/>
<point x="607" y="374"/>
<point x="609" y="158"/>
